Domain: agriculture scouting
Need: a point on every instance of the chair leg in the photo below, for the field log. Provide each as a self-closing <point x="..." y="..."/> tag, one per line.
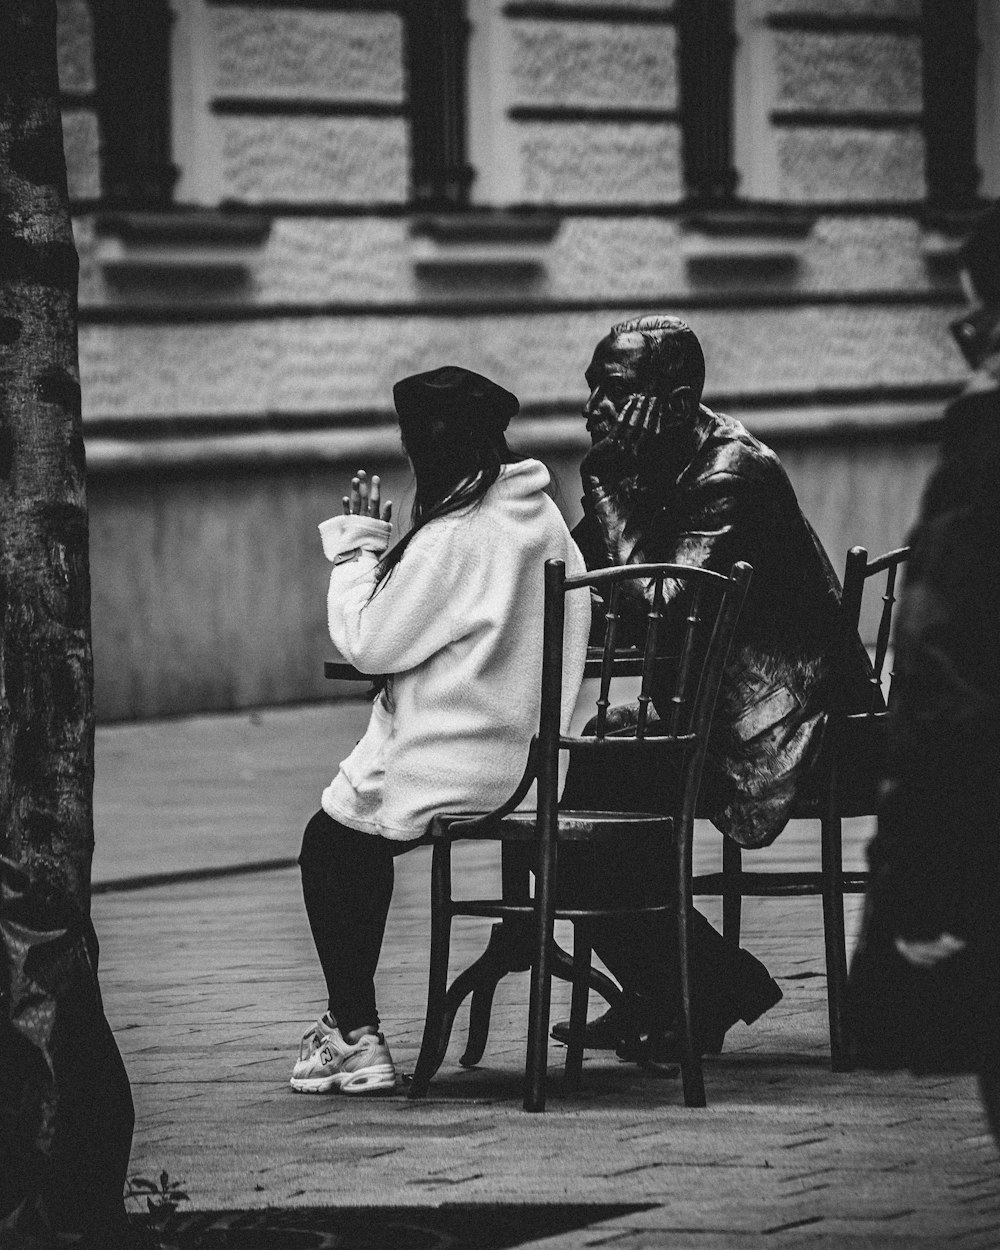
<point x="578" y="1011"/>
<point x="692" y="1076"/>
<point x="540" y="994"/>
<point x="836" y="942"/>
<point x="732" y="897"/>
<point x="437" y="1027"/>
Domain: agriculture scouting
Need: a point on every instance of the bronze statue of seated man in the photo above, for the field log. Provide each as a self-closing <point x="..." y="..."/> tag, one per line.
<point x="667" y="479"/>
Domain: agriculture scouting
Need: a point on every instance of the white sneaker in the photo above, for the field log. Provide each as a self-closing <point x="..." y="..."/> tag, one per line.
<point x="326" y="1062"/>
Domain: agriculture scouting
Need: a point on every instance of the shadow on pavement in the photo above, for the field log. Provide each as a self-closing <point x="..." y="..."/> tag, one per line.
<point x="448" y="1227"/>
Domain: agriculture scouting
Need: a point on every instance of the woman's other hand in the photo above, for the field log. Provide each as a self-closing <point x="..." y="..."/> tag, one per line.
<point x="365" y="498"/>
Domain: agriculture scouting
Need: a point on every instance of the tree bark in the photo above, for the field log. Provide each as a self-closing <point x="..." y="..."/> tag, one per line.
<point x="65" y="1106"/>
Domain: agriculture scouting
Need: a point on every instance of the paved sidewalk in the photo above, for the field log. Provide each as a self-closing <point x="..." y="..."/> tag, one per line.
<point x="209" y="983"/>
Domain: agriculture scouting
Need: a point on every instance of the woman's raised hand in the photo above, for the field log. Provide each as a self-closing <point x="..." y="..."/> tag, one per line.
<point x="365" y="498"/>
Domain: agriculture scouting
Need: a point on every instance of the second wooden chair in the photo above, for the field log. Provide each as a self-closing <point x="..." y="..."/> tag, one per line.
<point x="842" y="783"/>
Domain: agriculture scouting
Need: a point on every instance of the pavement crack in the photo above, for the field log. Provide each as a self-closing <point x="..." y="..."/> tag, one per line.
<point x="886" y="1217"/>
<point x="639" y="1167"/>
<point x="447" y="1180"/>
<point x="784" y="1228"/>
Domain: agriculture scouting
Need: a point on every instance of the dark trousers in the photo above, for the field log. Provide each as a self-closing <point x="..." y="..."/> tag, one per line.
<point x="347" y="880"/>
<point x="726" y="981"/>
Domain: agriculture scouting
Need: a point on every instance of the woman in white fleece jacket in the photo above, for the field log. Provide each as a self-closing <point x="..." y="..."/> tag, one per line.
<point x="453" y="613"/>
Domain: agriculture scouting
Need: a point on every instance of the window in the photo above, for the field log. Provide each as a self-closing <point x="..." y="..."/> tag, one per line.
<point x="131" y="60"/>
<point x="707" y="41"/>
<point x="950" y="91"/>
<point x="828" y="102"/>
<point x="573" y="103"/>
<point x="437" y="44"/>
<point x="290" y="102"/>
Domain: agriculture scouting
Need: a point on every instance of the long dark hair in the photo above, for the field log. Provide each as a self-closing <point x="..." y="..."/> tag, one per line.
<point x="455" y="462"/>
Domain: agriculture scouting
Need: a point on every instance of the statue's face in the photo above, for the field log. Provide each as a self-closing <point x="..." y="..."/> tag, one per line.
<point x="617" y="371"/>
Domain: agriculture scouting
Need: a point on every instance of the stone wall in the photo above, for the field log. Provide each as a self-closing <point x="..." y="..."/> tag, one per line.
<point x="335" y="365"/>
<point x="237" y="365"/>
<point x="210" y="589"/>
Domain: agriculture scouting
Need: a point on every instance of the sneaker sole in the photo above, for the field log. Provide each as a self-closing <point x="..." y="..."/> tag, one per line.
<point x="377" y="1079"/>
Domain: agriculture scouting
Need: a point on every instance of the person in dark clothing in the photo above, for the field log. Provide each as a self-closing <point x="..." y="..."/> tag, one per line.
<point x="667" y="479"/>
<point x="923" y="989"/>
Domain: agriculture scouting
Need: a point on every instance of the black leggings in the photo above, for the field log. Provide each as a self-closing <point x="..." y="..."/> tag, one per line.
<point x="347" y="880"/>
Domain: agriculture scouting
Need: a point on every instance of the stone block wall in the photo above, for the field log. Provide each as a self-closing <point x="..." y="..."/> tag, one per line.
<point x="847" y="72"/>
<point x="238" y="348"/>
<point x="210" y="590"/>
<point x="307" y="54"/>
<point x="841" y="109"/>
<point x="339" y="366"/>
<point x="339" y="159"/>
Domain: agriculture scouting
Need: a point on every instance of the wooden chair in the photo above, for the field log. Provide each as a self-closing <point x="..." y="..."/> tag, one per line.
<point x="713" y="605"/>
<point x="834" y="790"/>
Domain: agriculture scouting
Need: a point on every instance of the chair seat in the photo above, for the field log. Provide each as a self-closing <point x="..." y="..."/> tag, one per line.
<point x="574" y="826"/>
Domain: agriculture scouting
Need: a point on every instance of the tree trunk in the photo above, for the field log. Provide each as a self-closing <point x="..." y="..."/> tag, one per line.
<point x="65" y="1106"/>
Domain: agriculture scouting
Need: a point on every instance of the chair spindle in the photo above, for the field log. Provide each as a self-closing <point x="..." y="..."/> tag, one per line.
<point x="653" y="618"/>
<point x="882" y="640"/>
<point x="684" y="664"/>
<point x="610" y="636"/>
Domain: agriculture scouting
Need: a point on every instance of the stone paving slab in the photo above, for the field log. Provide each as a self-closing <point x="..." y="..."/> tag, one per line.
<point x="209" y="984"/>
<point x="214" y="791"/>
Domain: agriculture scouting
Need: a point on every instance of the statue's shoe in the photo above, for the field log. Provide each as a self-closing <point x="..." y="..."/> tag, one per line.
<point x="605" y="1032"/>
<point x="664" y="1045"/>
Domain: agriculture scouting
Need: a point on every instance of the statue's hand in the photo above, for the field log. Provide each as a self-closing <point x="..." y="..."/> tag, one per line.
<point x="615" y="457"/>
<point x="639" y="423"/>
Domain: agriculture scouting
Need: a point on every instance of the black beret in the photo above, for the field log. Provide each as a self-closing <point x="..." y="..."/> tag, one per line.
<point x="452" y="391"/>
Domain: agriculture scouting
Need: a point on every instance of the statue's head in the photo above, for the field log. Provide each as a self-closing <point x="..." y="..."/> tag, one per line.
<point x="652" y="355"/>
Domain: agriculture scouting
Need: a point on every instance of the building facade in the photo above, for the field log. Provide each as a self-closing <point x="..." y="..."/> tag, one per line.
<point x="282" y="206"/>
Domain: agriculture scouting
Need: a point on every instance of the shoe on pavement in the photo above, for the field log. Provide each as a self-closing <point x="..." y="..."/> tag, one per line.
<point x="605" y="1032"/>
<point x="327" y="1063"/>
<point x="664" y="1045"/>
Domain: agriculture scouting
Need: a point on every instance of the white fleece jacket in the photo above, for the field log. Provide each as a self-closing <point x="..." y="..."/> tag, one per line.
<point x="459" y="624"/>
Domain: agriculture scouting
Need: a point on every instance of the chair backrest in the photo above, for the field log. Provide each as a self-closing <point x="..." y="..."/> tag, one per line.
<point x="857" y="573"/>
<point x="684" y="654"/>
